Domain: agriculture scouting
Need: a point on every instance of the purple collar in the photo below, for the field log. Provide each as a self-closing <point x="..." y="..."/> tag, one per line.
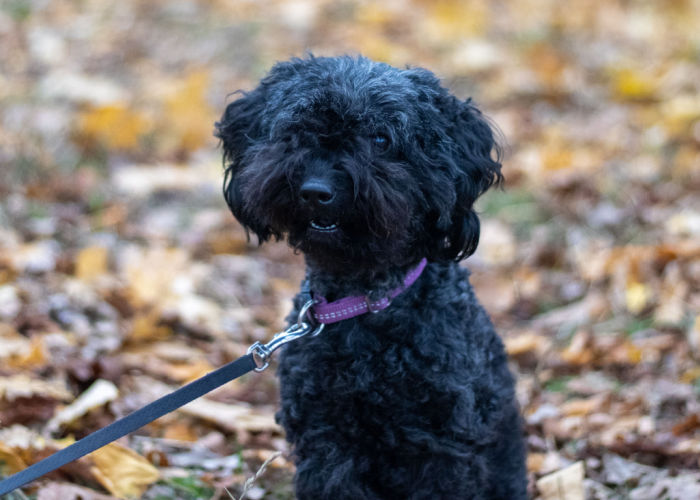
<point x="331" y="312"/>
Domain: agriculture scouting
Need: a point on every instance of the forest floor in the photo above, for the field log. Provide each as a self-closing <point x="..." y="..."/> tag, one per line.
<point x="123" y="275"/>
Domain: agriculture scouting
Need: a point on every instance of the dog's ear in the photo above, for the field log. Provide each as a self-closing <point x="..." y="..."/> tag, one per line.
<point x="477" y="157"/>
<point x="473" y="156"/>
<point x="239" y="129"/>
<point x="459" y="144"/>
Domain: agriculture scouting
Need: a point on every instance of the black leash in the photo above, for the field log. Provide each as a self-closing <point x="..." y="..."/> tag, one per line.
<point x="257" y="359"/>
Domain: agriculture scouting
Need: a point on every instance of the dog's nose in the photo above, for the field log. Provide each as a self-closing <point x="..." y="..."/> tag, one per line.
<point x="316" y="192"/>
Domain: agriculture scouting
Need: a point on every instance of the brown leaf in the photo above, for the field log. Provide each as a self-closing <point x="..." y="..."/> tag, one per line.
<point x="233" y="417"/>
<point x="148" y="327"/>
<point x="580" y="350"/>
<point x="687" y="425"/>
<point x="586" y="406"/>
<point x="179" y="431"/>
<point x="60" y="491"/>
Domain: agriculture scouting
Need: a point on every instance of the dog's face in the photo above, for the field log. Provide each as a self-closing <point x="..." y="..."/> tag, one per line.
<point x="358" y="163"/>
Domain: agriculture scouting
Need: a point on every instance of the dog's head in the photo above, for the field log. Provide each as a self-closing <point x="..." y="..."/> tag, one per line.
<point x="358" y="163"/>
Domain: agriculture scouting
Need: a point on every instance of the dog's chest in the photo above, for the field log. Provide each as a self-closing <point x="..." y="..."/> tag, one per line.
<point x="360" y="377"/>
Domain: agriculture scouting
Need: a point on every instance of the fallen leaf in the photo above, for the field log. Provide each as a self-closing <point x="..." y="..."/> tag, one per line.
<point x="448" y="21"/>
<point x="497" y="243"/>
<point x="39" y="257"/>
<point x="20" y="351"/>
<point x="591" y="307"/>
<point x="186" y="112"/>
<point x="91" y="262"/>
<point x="10" y="303"/>
<point x="623" y="352"/>
<point x="180" y="431"/>
<point x="632" y="84"/>
<point x="114" y="126"/>
<point x="61" y="491"/>
<point x="585" y="406"/>
<point x="565" y="484"/>
<point x="694" y="334"/>
<point x="148" y="327"/>
<point x="580" y="349"/>
<point x="98" y="394"/>
<point x="535" y="462"/>
<point x="637" y="296"/>
<point x="232" y="417"/>
<point x="10" y="461"/>
<point x="123" y="472"/>
<point x="151" y="273"/>
<point x="687" y="425"/>
<point x="495" y="291"/>
<point x="187" y="372"/>
<point x="526" y="342"/>
<point x="17" y="386"/>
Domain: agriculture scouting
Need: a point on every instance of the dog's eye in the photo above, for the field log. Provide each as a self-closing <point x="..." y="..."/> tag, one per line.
<point x="381" y="142"/>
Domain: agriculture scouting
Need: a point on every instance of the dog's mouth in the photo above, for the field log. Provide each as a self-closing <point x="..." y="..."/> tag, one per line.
<point x="323" y="226"/>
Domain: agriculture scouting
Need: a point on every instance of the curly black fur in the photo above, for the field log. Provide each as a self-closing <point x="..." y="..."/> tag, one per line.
<point x="414" y="402"/>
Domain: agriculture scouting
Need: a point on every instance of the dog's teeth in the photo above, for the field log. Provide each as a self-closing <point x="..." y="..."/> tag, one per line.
<point x="323" y="228"/>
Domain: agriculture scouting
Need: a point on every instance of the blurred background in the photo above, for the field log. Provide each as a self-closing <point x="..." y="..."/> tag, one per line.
<point x="122" y="274"/>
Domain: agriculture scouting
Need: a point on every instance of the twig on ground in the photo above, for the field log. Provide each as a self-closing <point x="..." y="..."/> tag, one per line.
<point x="251" y="480"/>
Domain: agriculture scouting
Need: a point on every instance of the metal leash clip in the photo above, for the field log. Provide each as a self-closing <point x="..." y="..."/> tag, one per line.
<point x="263" y="352"/>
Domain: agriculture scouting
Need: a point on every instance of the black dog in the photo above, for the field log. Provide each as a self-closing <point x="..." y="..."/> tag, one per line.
<point x="369" y="170"/>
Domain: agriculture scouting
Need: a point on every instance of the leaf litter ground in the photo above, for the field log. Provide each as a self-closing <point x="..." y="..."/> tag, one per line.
<point x="123" y="276"/>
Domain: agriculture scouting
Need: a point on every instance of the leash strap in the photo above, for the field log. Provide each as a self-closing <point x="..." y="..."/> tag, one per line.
<point x="131" y="422"/>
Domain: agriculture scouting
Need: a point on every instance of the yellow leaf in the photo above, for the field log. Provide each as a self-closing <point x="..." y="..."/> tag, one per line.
<point x="115" y="126"/>
<point x="631" y="84"/>
<point x="146" y="327"/>
<point x="379" y="47"/>
<point x="527" y="342"/>
<point x="679" y="112"/>
<point x="374" y="13"/>
<point x="450" y="20"/>
<point x="10" y="462"/>
<point x="123" y="472"/>
<point x="557" y="152"/>
<point x="91" y="262"/>
<point x="187" y="115"/>
<point x="637" y="296"/>
<point x="691" y="375"/>
<point x="35" y="355"/>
